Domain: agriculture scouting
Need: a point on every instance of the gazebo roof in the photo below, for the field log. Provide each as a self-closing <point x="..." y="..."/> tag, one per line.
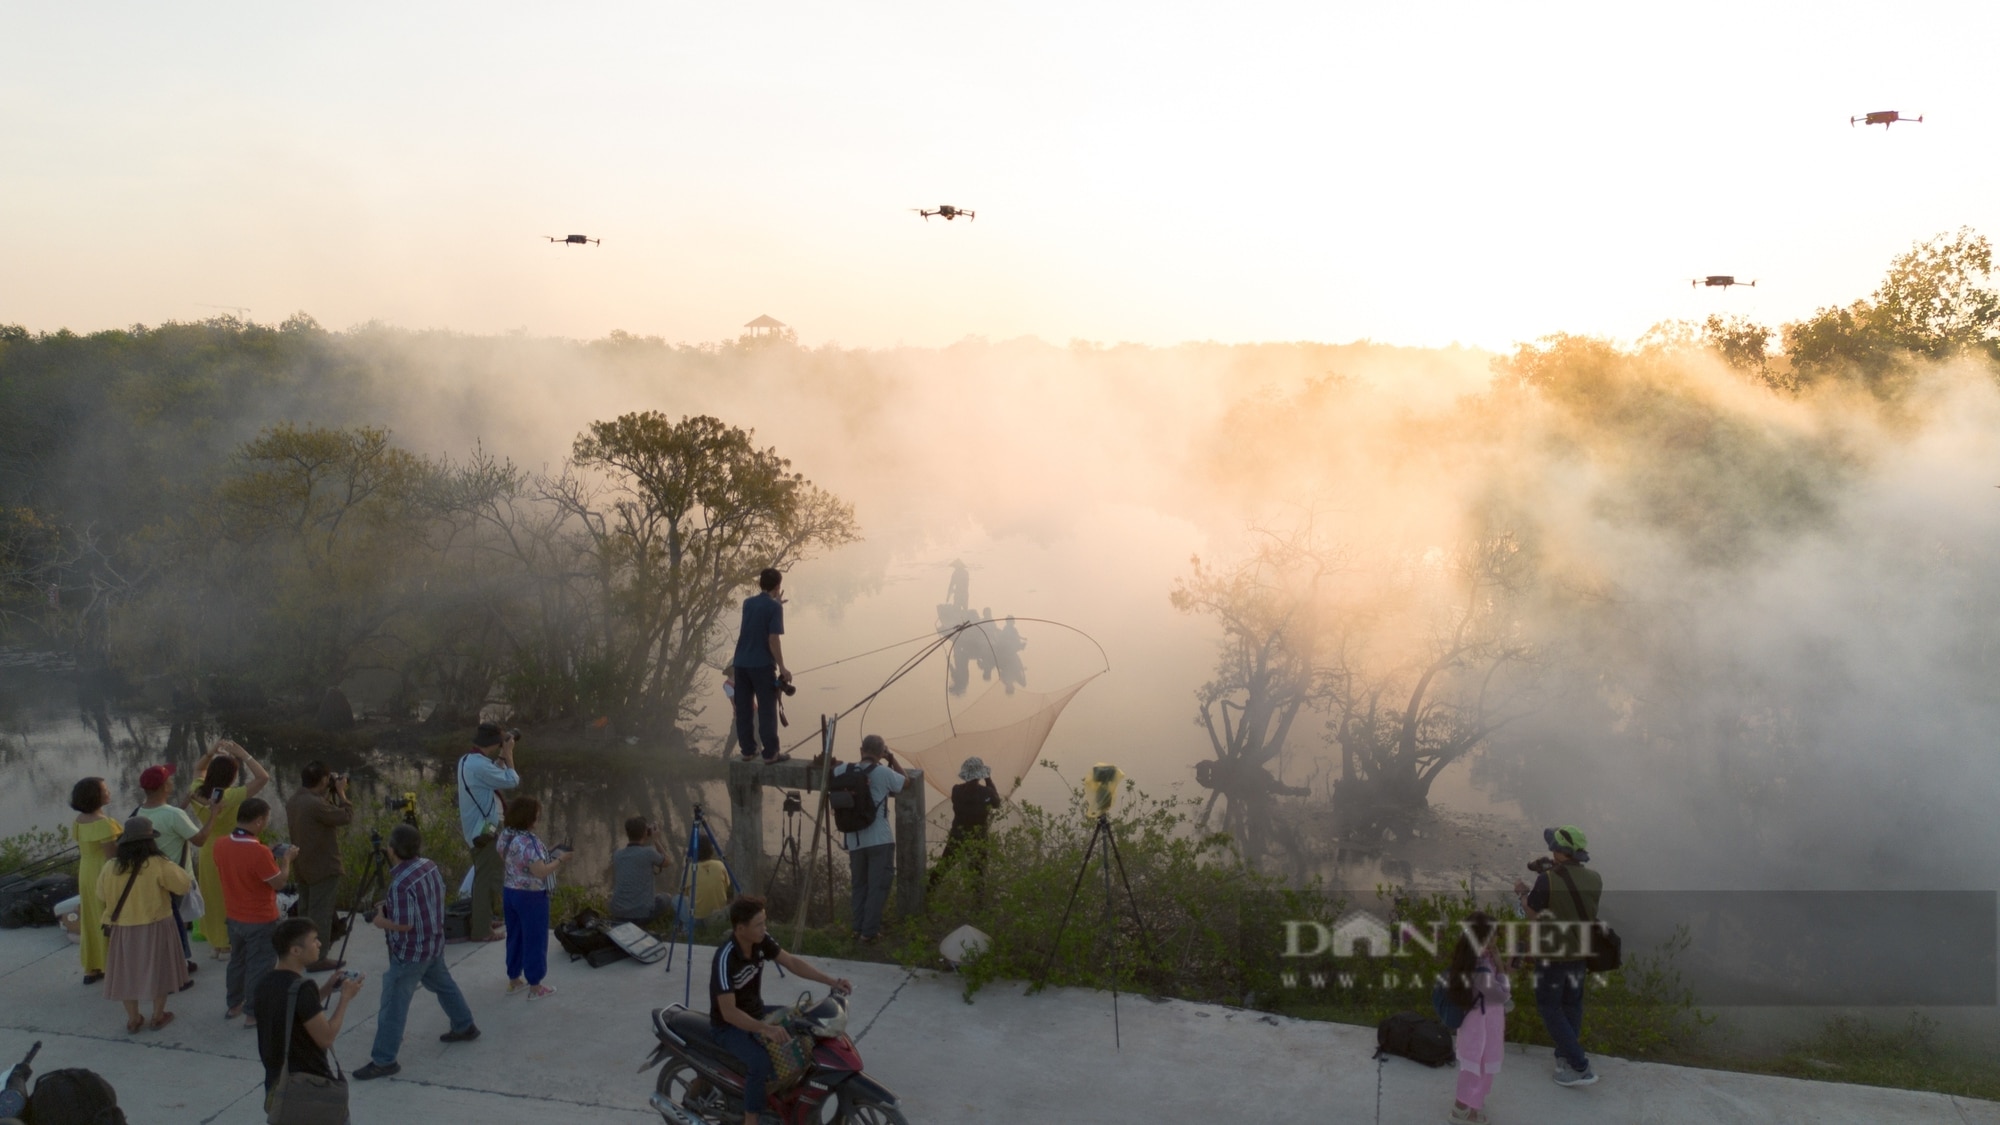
<point x="765" y="321"/>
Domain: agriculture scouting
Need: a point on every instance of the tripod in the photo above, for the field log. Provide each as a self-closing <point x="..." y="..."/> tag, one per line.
<point x="1101" y="832"/>
<point x="788" y="852"/>
<point x="374" y="877"/>
<point x="698" y="830"/>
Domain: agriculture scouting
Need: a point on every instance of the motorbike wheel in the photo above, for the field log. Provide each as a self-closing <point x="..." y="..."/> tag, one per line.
<point x="683" y="1085"/>
<point x="868" y="1111"/>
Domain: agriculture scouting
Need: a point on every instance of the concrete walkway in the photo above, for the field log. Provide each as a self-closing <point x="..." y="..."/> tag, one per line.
<point x="1007" y="1058"/>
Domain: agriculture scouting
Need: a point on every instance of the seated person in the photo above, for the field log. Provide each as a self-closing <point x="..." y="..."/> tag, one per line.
<point x="634" y="866"/>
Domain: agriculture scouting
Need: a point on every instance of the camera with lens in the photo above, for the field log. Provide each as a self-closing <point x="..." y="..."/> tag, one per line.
<point x="405" y="803"/>
<point x="792" y="802"/>
<point x="1541" y="865"/>
<point x="788" y="687"/>
<point x="514" y="733"/>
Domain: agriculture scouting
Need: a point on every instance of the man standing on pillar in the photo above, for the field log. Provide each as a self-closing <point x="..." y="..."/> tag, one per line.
<point x="315" y="815"/>
<point x="482" y="773"/>
<point x="760" y="668"/>
<point x="871" y="847"/>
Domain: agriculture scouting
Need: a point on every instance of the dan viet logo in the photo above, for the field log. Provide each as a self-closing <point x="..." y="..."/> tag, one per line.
<point x="1359" y="936"/>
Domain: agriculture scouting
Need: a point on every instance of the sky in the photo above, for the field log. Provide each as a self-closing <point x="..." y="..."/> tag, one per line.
<point x="1413" y="174"/>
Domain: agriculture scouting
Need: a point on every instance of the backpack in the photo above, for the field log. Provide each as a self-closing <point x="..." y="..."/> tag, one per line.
<point x="852" y="801"/>
<point x="74" y="1097"/>
<point x="1414" y="1037"/>
<point x="583" y="938"/>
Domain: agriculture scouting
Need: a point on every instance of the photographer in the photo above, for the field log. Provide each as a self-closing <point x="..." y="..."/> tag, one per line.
<point x="315" y="815"/>
<point x="482" y="773"/>
<point x="871" y="852"/>
<point x="760" y="668"/>
<point x="411" y="915"/>
<point x="633" y="868"/>
<point x="1559" y="979"/>
<point x="294" y="942"/>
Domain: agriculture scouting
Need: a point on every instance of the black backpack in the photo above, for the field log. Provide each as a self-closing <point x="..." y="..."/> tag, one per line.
<point x="1414" y="1037"/>
<point x="852" y="802"/>
<point x="583" y="938"/>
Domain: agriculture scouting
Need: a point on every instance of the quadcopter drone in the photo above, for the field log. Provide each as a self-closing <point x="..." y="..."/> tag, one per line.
<point x="1882" y="117"/>
<point x="946" y="210"/>
<point x="573" y="239"/>
<point x="1719" y="281"/>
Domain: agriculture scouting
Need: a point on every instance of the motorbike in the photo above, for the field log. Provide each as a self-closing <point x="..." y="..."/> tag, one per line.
<point x="701" y="1083"/>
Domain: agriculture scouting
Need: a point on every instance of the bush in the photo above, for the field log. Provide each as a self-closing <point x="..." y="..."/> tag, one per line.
<point x="33" y="846"/>
<point x="1208" y="927"/>
<point x="437" y="820"/>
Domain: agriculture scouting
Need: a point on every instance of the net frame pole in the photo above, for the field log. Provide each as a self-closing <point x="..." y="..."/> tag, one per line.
<point x="827" y="727"/>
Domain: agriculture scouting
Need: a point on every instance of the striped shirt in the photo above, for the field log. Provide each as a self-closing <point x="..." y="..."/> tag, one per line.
<point x="416" y="897"/>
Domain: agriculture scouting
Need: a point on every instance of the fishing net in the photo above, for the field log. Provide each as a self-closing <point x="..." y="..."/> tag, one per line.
<point x="1005" y="728"/>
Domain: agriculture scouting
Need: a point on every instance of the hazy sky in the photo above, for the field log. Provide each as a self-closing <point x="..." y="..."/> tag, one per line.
<point x="1151" y="172"/>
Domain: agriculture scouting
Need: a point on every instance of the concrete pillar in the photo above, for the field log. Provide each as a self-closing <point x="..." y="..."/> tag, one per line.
<point x="912" y="855"/>
<point x="747" y="781"/>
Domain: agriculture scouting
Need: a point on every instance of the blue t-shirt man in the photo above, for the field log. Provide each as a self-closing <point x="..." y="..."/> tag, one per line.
<point x="760" y="668"/>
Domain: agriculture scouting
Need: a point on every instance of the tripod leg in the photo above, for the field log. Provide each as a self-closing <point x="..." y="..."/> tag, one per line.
<point x="1067" y="907"/>
<point x="1111" y="931"/>
<point x="1145" y="931"/>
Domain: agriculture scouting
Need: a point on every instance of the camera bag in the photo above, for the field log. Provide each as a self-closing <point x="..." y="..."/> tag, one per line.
<point x="1607" y="949"/>
<point x="458" y="920"/>
<point x="1414" y="1037"/>
<point x="853" y="803"/>
<point x="584" y="939"/>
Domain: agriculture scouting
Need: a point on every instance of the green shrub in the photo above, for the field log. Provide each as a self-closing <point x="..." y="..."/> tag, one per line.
<point x="437" y="820"/>
<point x="33" y="846"/>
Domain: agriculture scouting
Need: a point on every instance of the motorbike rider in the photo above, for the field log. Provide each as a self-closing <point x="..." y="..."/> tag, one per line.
<point x="736" y="996"/>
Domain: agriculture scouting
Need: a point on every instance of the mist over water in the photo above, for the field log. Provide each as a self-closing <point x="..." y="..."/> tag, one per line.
<point x="1761" y="625"/>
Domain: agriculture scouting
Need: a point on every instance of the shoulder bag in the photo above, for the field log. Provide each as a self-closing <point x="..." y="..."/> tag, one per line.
<point x="1607" y="950"/>
<point x="304" y="1099"/>
<point x="122" y="895"/>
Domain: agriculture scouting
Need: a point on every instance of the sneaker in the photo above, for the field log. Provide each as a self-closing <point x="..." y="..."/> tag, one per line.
<point x="466" y="1036"/>
<point x="375" y="1070"/>
<point x="774" y="759"/>
<point x="1570" y="1077"/>
<point x="1562" y="1067"/>
<point x="541" y="990"/>
<point x="1461" y="1115"/>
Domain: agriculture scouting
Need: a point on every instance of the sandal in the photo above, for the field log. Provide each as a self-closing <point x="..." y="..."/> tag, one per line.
<point x="93" y="977"/>
<point x="164" y="1019"/>
<point x="133" y="1025"/>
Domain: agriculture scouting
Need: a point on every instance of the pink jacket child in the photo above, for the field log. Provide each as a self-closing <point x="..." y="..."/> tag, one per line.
<point x="1482" y="1038"/>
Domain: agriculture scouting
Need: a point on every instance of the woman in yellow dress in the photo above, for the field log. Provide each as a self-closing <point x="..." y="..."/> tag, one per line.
<point x="96" y="839"/>
<point x="218" y="792"/>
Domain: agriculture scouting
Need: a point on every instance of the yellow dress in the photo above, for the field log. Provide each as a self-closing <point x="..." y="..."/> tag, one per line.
<point x="90" y="841"/>
<point x="214" y="927"/>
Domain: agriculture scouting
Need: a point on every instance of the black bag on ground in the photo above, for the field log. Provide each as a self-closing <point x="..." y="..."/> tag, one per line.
<point x="849" y="797"/>
<point x="458" y="920"/>
<point x="32" y="902"/>
<point x="584" y="939"/>
<point x="1414" y="1037"/>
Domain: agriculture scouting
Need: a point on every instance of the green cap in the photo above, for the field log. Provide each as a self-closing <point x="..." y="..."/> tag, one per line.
<point x="1568" y="838"/>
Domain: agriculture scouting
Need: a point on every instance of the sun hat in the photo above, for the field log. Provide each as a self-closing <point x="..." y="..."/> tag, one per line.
<point x="138" y="828"/>
<point x="974" y="770"/>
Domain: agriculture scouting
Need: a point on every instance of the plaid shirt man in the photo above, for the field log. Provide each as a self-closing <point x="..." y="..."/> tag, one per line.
<point x="416" y="898"/>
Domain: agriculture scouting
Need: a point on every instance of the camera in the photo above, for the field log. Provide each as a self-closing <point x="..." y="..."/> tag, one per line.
<point x="514" y="733"/>
<point x="1541" y="865"/>
<point x="792" y="802"/>
<point x="788" y="687"/>
<point x="400" y="803"/>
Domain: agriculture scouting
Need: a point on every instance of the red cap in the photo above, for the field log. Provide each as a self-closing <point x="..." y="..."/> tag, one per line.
<point x="155" y="777"/>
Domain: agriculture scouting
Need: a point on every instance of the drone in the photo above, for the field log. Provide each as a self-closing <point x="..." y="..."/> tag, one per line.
<point x="573" y="239"/>
<point x="1719" y="281"/>
<point x="947" y="211"/>
<point x="1882" y="117"/>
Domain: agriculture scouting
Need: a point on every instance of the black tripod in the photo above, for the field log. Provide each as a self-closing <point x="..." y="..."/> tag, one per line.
<point x="1101" y="832"/>
<point x="374" y="878"/>
<point x="789" y="851"/>
<point x="698" y="830"/>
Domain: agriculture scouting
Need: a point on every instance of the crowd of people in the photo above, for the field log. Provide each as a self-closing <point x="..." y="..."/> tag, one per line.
<point x="204" y="867"/>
